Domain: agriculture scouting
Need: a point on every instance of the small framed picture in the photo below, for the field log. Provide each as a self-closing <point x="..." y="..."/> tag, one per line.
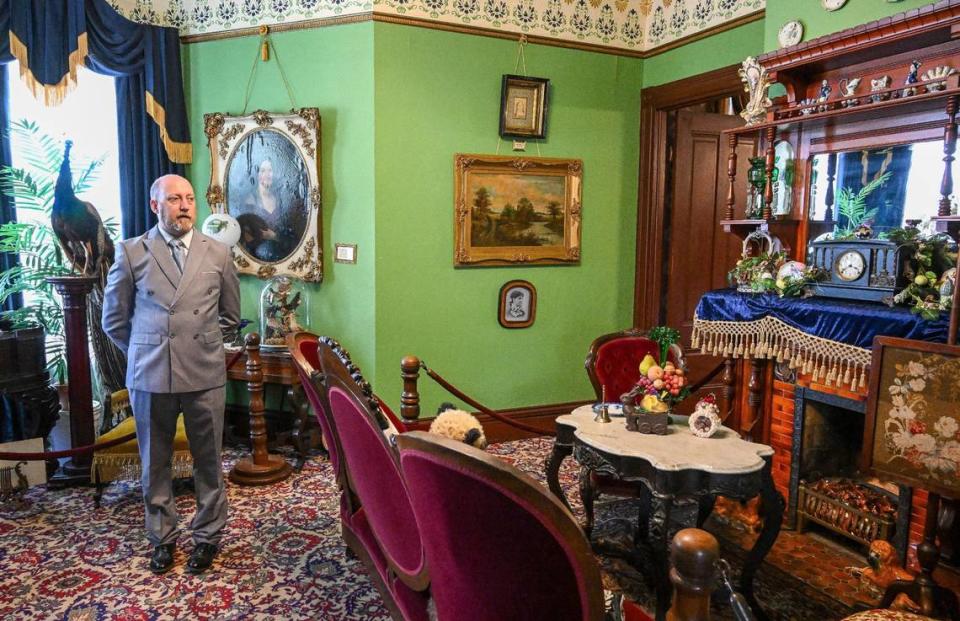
<point x="518" y="304"/>
<point x="523" y="107"/>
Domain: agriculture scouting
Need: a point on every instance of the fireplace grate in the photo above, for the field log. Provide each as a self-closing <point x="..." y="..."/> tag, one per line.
<point x="862" y="525"/>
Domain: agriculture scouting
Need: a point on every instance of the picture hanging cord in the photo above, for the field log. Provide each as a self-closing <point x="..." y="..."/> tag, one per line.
<point x="521" y="64"/>
<point x="263" y="54"/>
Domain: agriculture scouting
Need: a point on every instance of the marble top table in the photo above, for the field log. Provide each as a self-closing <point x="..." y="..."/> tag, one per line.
<point x="676" y="468"/>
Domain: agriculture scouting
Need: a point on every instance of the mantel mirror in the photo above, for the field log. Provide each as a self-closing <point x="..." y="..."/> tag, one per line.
<point x="882" y="187"/>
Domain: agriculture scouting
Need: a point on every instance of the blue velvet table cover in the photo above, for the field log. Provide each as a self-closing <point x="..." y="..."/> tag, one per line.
<point x="852" y="323"/>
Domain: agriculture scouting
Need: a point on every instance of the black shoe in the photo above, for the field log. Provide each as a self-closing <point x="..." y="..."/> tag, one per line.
<point x="162" y="558"/>
<point x="202" y="558"/>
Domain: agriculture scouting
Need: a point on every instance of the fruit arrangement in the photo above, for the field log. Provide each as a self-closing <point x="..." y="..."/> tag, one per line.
<point x="662" y="384"/>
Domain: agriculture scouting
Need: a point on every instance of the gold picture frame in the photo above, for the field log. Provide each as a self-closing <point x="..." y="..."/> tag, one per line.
<point x="265" y="172"/>
<point x="516" y="210"/>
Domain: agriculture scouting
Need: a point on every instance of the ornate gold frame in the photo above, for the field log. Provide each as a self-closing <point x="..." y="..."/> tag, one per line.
<point x="466" y="254"/>
<point x="302" y="128"/>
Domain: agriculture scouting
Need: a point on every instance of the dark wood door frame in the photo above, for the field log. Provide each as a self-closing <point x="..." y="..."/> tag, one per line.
<point x="655" y="103"/>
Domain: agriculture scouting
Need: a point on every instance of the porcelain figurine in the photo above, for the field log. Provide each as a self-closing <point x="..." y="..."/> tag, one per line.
<point x="705" y="420"/>
<point x="825" y="90"/>
<point x="848" y="86"/>
<point x="936" y="78"/>
<point x="912" y="78"/>
<point x="879" y="84"/>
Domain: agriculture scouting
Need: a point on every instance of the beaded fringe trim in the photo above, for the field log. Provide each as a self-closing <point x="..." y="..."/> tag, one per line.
<point x="127" y="467"/>
<point x="829" y="362"/>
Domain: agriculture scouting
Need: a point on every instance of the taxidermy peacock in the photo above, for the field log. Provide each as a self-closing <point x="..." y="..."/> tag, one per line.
<point x="78" y="227"/>
<point x="86" y="243"/>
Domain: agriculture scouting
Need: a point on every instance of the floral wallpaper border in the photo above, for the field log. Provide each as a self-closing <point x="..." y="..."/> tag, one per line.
<point x="637" y="25"/>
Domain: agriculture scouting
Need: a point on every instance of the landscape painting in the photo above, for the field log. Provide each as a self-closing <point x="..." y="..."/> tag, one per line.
<point x="517" y="210"/>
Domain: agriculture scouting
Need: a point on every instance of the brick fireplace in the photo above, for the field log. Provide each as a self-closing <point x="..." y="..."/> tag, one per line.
<point x="833" y="446"/>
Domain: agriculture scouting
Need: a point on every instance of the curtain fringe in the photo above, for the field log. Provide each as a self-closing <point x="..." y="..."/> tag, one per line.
<point x="53" y="94"/>
<point x="178" y="152"/>
<point x="118" y="466"/>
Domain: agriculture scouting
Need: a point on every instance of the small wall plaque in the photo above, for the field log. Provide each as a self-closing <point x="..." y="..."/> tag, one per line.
<point x="345" y="253"/>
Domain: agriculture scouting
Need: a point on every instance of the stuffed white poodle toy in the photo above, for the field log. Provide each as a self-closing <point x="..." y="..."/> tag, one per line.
<point x="460" y="426"/>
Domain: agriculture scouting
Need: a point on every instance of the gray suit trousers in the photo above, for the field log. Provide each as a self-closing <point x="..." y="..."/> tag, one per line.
<point x="156" y="419"/>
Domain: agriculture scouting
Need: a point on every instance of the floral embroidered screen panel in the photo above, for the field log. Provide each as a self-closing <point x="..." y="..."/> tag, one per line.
<point x="637" y="25"/>
<point x="917" y="434"/>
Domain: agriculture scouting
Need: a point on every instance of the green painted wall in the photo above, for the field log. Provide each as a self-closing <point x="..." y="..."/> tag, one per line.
<point x="331" y="68"/>
<point x="818" y="22"/>
<point x="438" y="94"/>
<point x="719" y="50"/>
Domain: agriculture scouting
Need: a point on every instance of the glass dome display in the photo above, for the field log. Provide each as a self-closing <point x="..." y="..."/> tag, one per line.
<point x="283" y="310"/>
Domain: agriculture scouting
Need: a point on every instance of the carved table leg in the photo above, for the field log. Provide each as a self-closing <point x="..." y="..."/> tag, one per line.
<point x="659" y="535"/>
<point x="301" y="420"/>
<point x="552" y="468"/>
<point x="587" y="494"/>
<point x="772" y="506"/>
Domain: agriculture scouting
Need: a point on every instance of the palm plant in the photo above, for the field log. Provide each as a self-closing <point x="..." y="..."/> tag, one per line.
<point x="31" y="187"/>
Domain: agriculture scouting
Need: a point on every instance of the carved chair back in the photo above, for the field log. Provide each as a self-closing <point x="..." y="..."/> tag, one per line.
<point x="371" y="464"/>
<point x="613" y="362"/>
<point x="499" y="546"/>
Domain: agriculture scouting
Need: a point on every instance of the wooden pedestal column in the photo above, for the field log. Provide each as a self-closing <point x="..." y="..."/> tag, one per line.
<point x="261" y="468"/>
<point x="74" y="290"/>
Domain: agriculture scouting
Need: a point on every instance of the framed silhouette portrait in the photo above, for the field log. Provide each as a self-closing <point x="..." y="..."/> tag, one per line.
<point x="518" y="304"/>
<point x="265" y="173"/>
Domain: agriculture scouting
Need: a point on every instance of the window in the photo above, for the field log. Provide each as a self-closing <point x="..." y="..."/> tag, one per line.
<point x="88" y="116"/>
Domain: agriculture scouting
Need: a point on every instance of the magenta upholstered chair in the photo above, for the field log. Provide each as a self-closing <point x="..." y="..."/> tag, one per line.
<point x="303" y="350"/>
<point x="499" y="546"/>
<point x="383" y="530"/>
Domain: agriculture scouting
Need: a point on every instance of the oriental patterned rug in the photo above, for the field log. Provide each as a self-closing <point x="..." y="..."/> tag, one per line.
<point x="282" y="556"/>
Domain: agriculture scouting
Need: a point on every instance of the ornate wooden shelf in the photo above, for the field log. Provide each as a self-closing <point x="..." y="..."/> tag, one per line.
<point x="895" y="106"/>
<point x="744" y="227"/>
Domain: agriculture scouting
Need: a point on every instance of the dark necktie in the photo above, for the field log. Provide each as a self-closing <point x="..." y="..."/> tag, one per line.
<point x="179" y="251"/>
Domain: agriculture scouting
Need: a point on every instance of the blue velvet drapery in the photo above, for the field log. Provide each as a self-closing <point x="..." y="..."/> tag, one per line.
<point x="853" y="323"/>
<point x="52" y="38"/>
<point x="7" y="211"/>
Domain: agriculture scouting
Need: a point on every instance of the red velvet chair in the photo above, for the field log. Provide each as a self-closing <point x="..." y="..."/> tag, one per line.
<point x="613" y="365"/>
<point x="378" y="522"/>
<point x="500" y="548"/>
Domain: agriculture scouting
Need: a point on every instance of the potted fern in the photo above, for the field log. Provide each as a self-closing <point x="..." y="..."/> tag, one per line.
<point x="32" y="187"/>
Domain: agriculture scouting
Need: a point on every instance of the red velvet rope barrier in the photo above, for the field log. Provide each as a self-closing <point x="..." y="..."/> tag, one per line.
<point x="456" y="392"/>
<point x="90" y="448"/>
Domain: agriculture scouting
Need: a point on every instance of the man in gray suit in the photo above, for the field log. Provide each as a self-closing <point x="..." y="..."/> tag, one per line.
<point x="171" y="295"/>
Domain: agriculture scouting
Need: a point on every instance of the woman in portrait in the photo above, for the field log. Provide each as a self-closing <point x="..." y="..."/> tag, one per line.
<point x="274" y="219"/>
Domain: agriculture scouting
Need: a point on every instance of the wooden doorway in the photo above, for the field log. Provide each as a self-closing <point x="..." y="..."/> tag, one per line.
<point x="682" y="251"/>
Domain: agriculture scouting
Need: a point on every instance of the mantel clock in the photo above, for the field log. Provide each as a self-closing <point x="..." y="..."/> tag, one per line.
<point x="859" y="269"/>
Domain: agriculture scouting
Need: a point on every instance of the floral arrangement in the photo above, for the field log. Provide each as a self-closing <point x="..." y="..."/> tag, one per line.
<point x="930" y="271"/>
<point x="761" y="274"/>
<point x="757" y="273"/>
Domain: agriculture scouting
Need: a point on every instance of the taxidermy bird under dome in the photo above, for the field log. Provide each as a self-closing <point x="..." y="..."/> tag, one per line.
<point x="78" y="227"/>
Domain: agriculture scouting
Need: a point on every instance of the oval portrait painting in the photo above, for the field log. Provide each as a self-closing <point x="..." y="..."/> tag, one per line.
<point x="266" y="191"/>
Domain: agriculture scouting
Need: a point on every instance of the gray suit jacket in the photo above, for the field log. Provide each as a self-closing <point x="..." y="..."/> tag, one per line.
<point x="171" y="326"/>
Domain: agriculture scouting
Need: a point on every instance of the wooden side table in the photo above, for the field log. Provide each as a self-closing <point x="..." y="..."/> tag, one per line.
<point x="677" y="468"/>
<point x="278" y="369"/>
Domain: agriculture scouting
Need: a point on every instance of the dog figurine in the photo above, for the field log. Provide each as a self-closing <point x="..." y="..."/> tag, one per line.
<point x="883" y="569"/>
<point x="460" y="426"/>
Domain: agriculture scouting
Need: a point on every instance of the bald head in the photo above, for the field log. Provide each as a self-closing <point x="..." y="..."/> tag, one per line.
<point x="172" y="199"/>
